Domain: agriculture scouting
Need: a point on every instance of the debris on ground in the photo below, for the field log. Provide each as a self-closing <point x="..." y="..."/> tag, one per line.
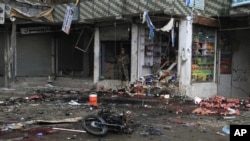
<point x="219" y="105"/>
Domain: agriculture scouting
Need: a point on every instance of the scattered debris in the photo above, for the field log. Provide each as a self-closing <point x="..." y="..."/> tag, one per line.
<point x="71" y="130"/>
<point x="197" y="100"/>
<point x="218" y="105"/>
<point x="226" y="129"/>
<point x="68" y="120"/>
<point x="229" y="117"/>
<point x="6" y="89"/>
<point x="151" y="131"/>
<point x="72" y="102"/>
<point x="35" y="97"/>
<point x="219" y="133"/>
<point x="13" y="126"/>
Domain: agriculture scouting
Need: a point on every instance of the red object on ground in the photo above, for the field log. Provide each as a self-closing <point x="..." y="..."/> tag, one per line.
<point x="35" y="97"/>
<point x="219" y="104"/>
<point x="248" y="105"/>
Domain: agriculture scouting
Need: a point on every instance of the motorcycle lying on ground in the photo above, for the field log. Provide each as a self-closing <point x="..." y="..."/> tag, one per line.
<point x="105" y="121"/>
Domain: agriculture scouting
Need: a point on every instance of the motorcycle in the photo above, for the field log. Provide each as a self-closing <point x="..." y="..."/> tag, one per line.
<point x="105" y="121"/>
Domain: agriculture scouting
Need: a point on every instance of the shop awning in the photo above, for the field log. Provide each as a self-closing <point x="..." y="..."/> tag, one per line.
<point x="44" y="15"/>
<point x="29" y="11"/>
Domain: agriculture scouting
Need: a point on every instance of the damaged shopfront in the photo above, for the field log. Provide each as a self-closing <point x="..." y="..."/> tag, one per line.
<point x="158" y="46"/>
<point x="153" y="59"/>
<point x="113" y="37"/>
<point x="197" y="57"/>
<point x="165" y="45"/>
<point x="188" y="54"/>
<point x="39" y="52"/>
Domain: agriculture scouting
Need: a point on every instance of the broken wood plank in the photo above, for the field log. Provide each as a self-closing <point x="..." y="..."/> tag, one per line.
<point x="64" y="129"/>
<point x="68" y="120"/>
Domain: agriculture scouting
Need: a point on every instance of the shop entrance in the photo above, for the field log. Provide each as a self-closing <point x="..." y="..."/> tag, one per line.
<point x="75" y="53"/>
<point x="109" y="53"/>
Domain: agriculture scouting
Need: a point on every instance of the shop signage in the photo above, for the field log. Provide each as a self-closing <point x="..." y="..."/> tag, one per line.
<point x="2" y="11"/>
<point x="240" y="2"/>
<point x="33" y="30"/>
<point x="68" y="19"/>
<point x="198" y="4"/>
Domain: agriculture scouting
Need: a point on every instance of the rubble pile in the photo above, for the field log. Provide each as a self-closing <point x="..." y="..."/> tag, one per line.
<point x="164" y="83"/>
<point x="220" y="105"/>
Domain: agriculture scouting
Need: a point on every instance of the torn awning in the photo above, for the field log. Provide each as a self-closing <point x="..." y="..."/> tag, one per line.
<point x="44" y="15"/>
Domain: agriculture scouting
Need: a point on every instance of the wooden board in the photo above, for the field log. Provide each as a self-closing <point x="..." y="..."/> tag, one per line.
<point x="206" y="21"/>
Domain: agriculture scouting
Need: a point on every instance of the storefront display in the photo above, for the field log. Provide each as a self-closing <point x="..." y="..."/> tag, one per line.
<point x="203" y="54"/>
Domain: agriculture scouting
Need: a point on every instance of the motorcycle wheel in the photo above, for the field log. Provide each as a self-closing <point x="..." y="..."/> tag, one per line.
<point x="94" y="125"/>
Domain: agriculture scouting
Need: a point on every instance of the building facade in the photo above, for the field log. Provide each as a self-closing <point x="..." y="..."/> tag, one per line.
<point x="210" y="54"/>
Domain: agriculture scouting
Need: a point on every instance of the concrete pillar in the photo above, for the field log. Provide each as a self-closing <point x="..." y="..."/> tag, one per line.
<point x="134" y="53"/>
<point x="6" y="66"/>
<point x="96" y="56"/>
<point x="10" y="59"/>
<point x="185" y="52"/>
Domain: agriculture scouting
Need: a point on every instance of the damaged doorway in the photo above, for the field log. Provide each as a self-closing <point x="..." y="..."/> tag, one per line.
<point x="113" y="37"/>
<point x="109" y="52"/>
<point x="75" y="53"/>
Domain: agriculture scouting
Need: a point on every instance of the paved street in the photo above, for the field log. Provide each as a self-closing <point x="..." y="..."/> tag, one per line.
<point x="26" y="117"/>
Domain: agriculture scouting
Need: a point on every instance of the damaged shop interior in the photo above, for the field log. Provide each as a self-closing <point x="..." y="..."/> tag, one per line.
<point x="113" y="36"/>
<point x="157" y="64"/>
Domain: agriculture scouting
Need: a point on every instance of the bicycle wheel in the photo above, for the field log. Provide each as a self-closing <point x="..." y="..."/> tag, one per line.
<point x="94" y="125"/>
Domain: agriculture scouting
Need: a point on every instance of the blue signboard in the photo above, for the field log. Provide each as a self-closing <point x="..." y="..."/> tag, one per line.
<point x="240" y="2"/>
<point x="76" y="11"/>
<point x="198" y="4"/>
